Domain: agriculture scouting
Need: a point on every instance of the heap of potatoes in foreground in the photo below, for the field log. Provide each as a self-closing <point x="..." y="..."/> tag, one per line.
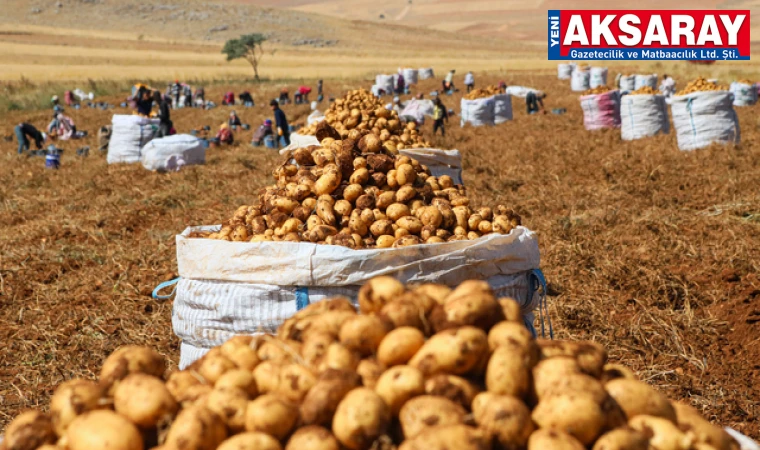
<point x="353" y="193"/>
<point x="360" y="111"/>
<point x="420" y="368"/>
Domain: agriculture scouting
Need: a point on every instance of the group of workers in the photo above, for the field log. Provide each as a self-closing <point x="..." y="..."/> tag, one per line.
<point x="61" y="127"/>
<point x="264" y="131"/>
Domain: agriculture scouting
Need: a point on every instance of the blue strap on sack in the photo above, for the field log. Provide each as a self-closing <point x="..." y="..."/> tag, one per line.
<point x="538" y="284"/>
<point x="302" y="297"/>
<point x="163" y="286"/>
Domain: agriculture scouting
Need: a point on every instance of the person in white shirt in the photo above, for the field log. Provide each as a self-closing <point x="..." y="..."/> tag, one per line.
<point x="448" y="82"/>
<point x="469" y="81"/>
<point x="668" y="86"/>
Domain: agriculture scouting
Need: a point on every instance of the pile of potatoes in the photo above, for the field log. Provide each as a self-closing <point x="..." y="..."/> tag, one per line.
<point x="360" y="111"/>
<point x="416" y="368"/>
<point x="746" y="81"/>
<point x="597" y="90"/>
<point x="645" y="90"/>
<point x="485" y="92"/>
<point x="699" y="85"/>
<point x="357" y="194"/>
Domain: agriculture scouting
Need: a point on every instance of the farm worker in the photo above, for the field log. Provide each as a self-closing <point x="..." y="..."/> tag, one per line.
<point x="283" y="129"/>
<point x="68" y="97"/>
<point x="175" y="92"/>
<point x="400" y="84"/>
<point x="397" y="105"/>
<point x="302" y="94"/>
<point x="54" y="101"/>
<point x="320" y="97"/>
<point x="262" y="132"/>
<point x="63" y="127"/>
<point x="246" y="99"/>
<point x="200" y="97"/>
<point x="448" y="82"/>
<point x="535" y="101"/>
<point x="229" y="98"/>
<point x="668" y="86"/>
<point x="144" y="102"/>
<point x="24" y="132"/>
<point x="502" y="86"/>
<point x="284" y="97"/>
<point x="234" y="120"/>
<point x="225" y="135"/>
<point x="440" y="113"/>
<point x="165" y="124"/>
<point x="469" y="81"/>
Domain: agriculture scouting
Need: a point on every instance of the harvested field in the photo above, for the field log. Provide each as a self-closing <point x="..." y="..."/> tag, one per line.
<point x="651" y="251"/>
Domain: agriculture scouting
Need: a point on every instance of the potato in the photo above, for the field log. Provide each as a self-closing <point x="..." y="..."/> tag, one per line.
<point x="396" y="211"/>
<point x="30" y="430"/>
<point x="508" y="372"/>
<point x="456" y="352"/>
<point x="360" y="176"/>
<point x="267" y="376"/>
<point x="295" y="382"/>
<point x="320" y="403"/>
<point x="327" y="183"/>
<point x="73" y="398"/>
<point x="276" y="350"/>
<point x="511" y="310"/>
<point x="405" y="174"/>
<point x="576" y="413"/>
<point x="328" y="323"/>
<point x="385" y="241"/>
<point x="312" y="437"/>
<point x="591" y="356"/>
<point x="271" y="415"/>
<point x="381" y="227"/>
<point x="230" y="403"/>
<point x="410" y="223"/>
<point x="338" y="356"/>
<point x="315" y="348"/>
<point x="399" y="346"/>
<point x="213" y="365"/>
<point x="325" y="212"/>
<point x="511" y="334"/>
<point x="131" y="359"/>
<point x="250" y="441"/>
<point x="352" y="192"/>
<point x="239" y="350"/>
<point x="196" y="428"/>
<point x="104" y="430"/>
<point x="406" y="240"/>
<point x="377" y="292"/>
<point x="343" y="207"/>
<point x="459" y="437"/>
<point x="369" y="370"/>
<point x="437" y="292"/>
<point x="553" y="439"/>
<point x="690" y="421"/>
<point x="427" y="411"/>
<point x="506" y="419"/>
<point x="471" y="303"/>
<point x="361" y="418"/>
<point x="363" y="333"/>
<point x="613" y="371"/>
<point x="192" y="395"/>
<point x="144" y="400"/>
<point x="399" y="384"/>
<point x="404" y="312"/>
<point x="457" y="389"/>
<point x="622" y="439"/>
<point x="663" y="434"/>
<point x="638" y="398"/>
<point x="240" y="379"/>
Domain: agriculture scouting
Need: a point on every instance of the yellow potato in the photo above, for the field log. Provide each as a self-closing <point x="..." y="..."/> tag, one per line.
<point x="196" y="428"/>
<point x="399" y="384"/>
<point x="363" y="333"/>
<point x="638" y="398"/>
<point x="104" y="430"/>
<point x="73" y="398"/>
<point x="613" y="371"/>
<point x="338" y="356"/>
<point x="663" y="434"/>
<point x="272" y="415"/>
<point x="238" y="378"/>
<point x="505" y="418"/>
<point x="456" y="352"/>
<point x="29" y="430"/>
<point x="508" y="372"/>
<point x="361" y="418"/>
<point x="250" y="441"/>
<point x="426" y="411"/>
<point x="553" y="439"/>
<point x="457" y="389"/>
<point x="591" y="356"/>
<point x="459" y="437"/>
<point x="377" y="292"/>
<point x="131" y="359"/>
<point x="144" y="400"/>
<point x="239" y="350"/>
<point x="575" y="413"/>
<point x="312" y="438"/>
<point x="320" y="403"/>
<point x="229" y="403"/>
<point x="212" y="366"/>
<point x="295" y="382"/>
<point x="399" y="346"/>
<point x="622" y="439"/>
<point x="369" y="370"/>
<point x="471" y="303"/>
<point x="690" y="421"/>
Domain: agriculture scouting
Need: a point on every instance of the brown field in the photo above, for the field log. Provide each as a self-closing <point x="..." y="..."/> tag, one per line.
<point x="651" y="251"/>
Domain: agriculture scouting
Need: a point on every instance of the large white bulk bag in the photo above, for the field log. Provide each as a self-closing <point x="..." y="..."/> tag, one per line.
<point x="646" y="80"/>
<point x="386" y="83"/>
<point x="418" y="109"/>
<point x="315" y="117"/>
<point x="702" y="118"/>
<point x="229" y="288"/>
<point x="565" y="71"/>
<point x="299" y="141"/>
<point x="598" y="77"/>
<point x="643" y="116"/>
<point x="502" y="108"/>
<point x="129" y="134"/>
<point x="627" y="82"/>
<point x="579" y="80"/>
<point x="601" y="110"/>
<point x="410" y="76"/>
<point x="440" y="162"/>
<point x="426" y="73"/>
<point x="744" y="94"/>
<point x="520" y="91"/>
<point x="478" y="112"/>
<point x="173" y="152"/>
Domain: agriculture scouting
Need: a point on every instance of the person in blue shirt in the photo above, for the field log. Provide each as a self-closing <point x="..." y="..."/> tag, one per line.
<point x="281" y="122"/>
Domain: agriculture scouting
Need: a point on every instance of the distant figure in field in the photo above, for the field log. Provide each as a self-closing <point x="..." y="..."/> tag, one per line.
<point x="448" y="82"/>
<point x="175" y="90"/>
<point x="469" y="81"/>
<point x="302" y="95"/>
<point x="440" y="114"/>
<point x="284" y="96"/>
<point x="320" y="95"/>
<point x="200" y="97"/>
<point x="24" y="132"/>
<point x="246" y="99"/>
<point x="187" y="96"/>
<point x="400" y="84"/>
<point x="234" y="120"/>
<point x="144" y="102"/>
<point x="281" y="122"/>
<point x="668" y="86"/>
<point x="262" y="132"/>
<point x="535" y="102"/>
<point x="229" y="98"/>
<point x="502" y="86"/>
<point x="165" y="124"/>
<point x="225" y="136"/>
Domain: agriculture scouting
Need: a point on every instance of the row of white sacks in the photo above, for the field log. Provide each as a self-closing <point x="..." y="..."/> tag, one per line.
<point x="387" y="83"/>
<point x="699" y="118"/>
<point x="133" y="140"/>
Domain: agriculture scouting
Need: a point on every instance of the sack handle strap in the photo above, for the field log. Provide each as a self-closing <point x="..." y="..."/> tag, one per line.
<point x="163" y="286"/>
<point x="538" y="284"/>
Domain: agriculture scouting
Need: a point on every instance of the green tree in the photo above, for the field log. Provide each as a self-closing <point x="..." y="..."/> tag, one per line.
<point x="248" y="47"/>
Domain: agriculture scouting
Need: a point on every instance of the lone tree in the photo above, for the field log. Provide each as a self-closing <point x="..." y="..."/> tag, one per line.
<point x="247" y="46"/>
